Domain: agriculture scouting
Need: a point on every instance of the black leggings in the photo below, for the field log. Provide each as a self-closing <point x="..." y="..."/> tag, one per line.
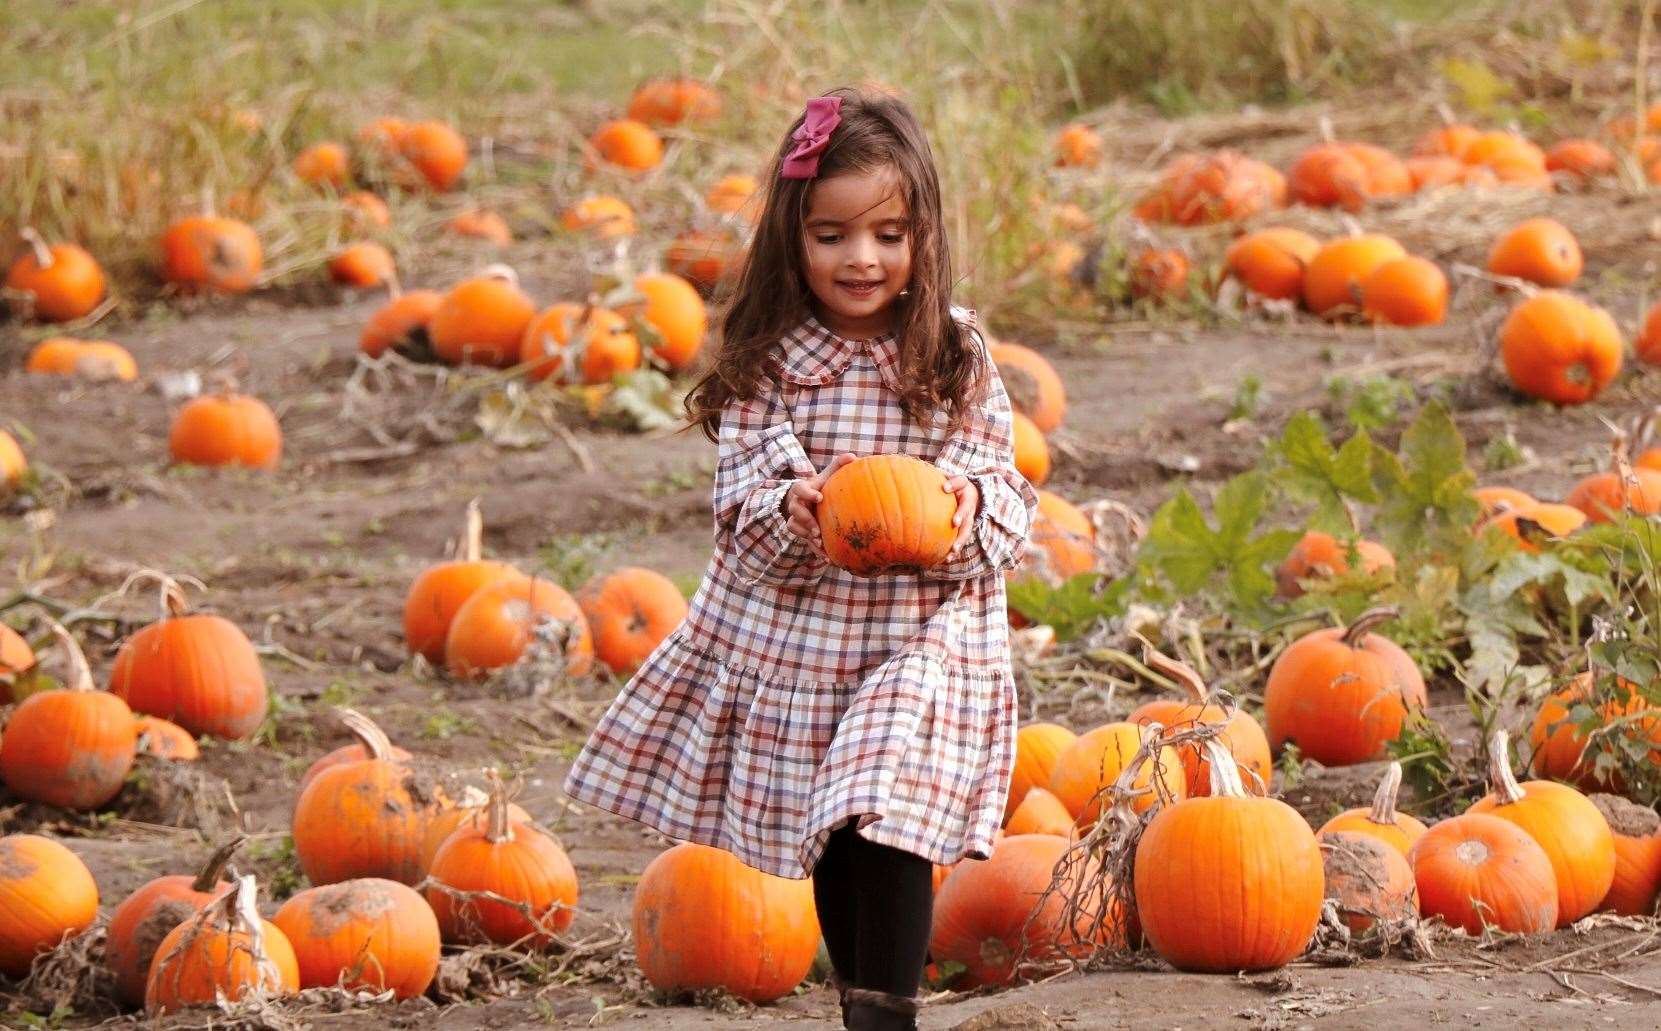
<point x="875" y="905"/>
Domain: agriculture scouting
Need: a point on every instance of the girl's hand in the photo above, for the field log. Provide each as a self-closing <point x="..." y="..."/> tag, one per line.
<point x="968" y="504"/>
<point x="802" y="500"/>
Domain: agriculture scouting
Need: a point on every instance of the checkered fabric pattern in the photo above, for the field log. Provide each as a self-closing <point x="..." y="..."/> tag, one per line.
<point x="796" y="695"/>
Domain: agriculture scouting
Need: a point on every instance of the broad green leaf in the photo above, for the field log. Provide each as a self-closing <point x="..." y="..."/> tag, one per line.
<point x="1425" y="488"/>
<point x="1184" y="548"/>
<point x="1071" y="608"/>
<point x="1312" y="472"/>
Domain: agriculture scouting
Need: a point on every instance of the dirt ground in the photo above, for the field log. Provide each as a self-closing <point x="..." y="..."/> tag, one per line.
<point x="313" y="561"/>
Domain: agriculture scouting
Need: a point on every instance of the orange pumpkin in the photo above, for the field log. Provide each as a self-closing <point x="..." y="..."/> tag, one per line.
<point x="13" y="465"/>
<point x="472" y="809"/>
<point x="578" y="343"/>
<point x="1032" y="451"/>
<point x="207" y="252"/>
<point x="1040" y="812"/>
<point x="70" y="747"/>
<point x="56" y="283"/>
<point x="199" y="671"/>
<point x="702" y="919"/>
<point x="1159" y="273"/>
<point x="1408" y="291"/>
<point x="365" y="818"/>
<point x="601" y="216"/>
<point x="1648" y="343"/>
<point x="1430" y="171"/>
<point x="440" y="590"/>
<point x="1078" y="146"/>
<point x="1539" y="250"/>
<point x="505" y="882"/>
<point x="1032" y="383"/>
<point x="630" y="612"/>
<point x="1037" y="745"/>
<point x="1559" y="743"/>
<point x="401" y="324"/>
<point x="323" y="164"/>
<point x="1495" y="500"/>
<point x="1091" y="764"/>
<point x="1558" y="348"/>
<point x="482" y="224"/>
<point x="46" y="895"/>
<point x="354" y="752"/>
<point x="1346" y="175"/>
<point x="1270" y="262"/>
<point x="1580" y="159"/>
<point x="1332" y="278"/>
<point x="16" y="659"/>
<point x="1063" y="538"/>
<point x="1477" y="871"/>
<point x="1342" y="694"/>
<point x="482" y="321"/>
<point x="146" y="916"/>
<point x="1368" y="879"/>
<point x="434" y="152"/>
<point x="363" y="265"/>
<point x="1230" y="881"/>
<point x="703" y="257"/>
<point x="364" y="209"/>
<point x="735" y="195"/>
<point x="1398" y="830"/>
<point x="986" y="914"/>
<point x="366" y="934"/>
<point x="1511" y="158"/>
<point x="1241" y="736"/>
<point x="674" y="316"/>
<point x="1321" y="556"/>
<point x="383" y="133"/>
<point x="85" y="359"/>
<point x="221" y="953"/>
<point x="1606" y="496"/>
<point x="1537" y="523"/>
<point x="1225" y="186"/>
<point x="514" y="618"/>
<point x="883" y="513"/>
<point x="1574" y="835"/>
<point x="226" y="429"/>
<point x="164" y="739"/>
<point x="664" y="102"/>
<point x="627" y="144"/>
<point x="1637" y="833"/>
<point x="1449" y="140"/>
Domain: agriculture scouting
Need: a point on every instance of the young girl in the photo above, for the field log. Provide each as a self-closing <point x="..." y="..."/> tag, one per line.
<point x="810" y="721"/>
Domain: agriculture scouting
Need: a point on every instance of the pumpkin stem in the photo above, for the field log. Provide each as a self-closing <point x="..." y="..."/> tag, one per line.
<point x="1324" y="126"/>
<point x="209" y="875"/>
<point x="502" y="272"/>
<point x="472" y="537"/>
<point x="1225" y="774"/>
<point x="43" y="253"/>
<point x="1384" y="799"/>
<point x="80" y="673"/>
<point x="242" y="910"/>
<point x="500" y="828"/>
<point x="1180" y="672"/>
<point x="373" y="738"/>
<point x="1500" y="778"/>
<point x="1365" y="623"/>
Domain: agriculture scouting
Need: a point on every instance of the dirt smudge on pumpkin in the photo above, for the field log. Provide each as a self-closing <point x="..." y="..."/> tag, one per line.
<point x="336" y="906"/>
<point x="14" y="865"/>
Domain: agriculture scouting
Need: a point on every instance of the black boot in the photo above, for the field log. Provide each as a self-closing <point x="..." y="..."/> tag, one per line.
<point x="840" y="987"/>
<point x="865" y="1010"/>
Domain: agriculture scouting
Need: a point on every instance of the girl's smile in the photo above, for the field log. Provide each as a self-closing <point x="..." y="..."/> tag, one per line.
<point x="857" y="241"/>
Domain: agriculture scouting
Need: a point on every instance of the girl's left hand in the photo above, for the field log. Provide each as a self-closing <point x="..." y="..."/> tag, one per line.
<point x="968" y="504"/>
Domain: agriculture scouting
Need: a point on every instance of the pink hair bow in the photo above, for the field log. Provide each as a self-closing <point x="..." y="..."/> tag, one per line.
<point x="824" y="114"/>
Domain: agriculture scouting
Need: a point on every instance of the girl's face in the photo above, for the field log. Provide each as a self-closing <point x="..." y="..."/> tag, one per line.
<point x="857" y="239"/>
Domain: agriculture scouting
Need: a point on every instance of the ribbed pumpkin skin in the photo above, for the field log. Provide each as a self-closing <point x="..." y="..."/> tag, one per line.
<point x="1095" y="760"/>
<point x="198" y="671"/>
<point x="1558" y="348"/>
<point x="226" y="429"/>
<point x="1401" y="835"/>
<point x="1226" y="884"/>
<point x="1032" y="383"/>
<point x="1478" y="865"/>
<point x="481" y="322"/>
<point x="1341" y="705"/>
<point x="68" y="748"/>
<point x="886" y="512"/>
<point x="1040" y="812"/>
<point x="367" y="933"/>
<point x="140" y="923"/>
<point x="437" y="594"/>
<point x="217" y="963"/>
<point x="629" y="613"/>
<point x="1036" y="747"/>
<point x="982" y="907"/>
<point x="1574" y="836"/>
<point x="45" y="893"/>
<point x="702" y="919"/>
<point x="1241" y="735"/>
<point x="497" y="624"/>
<point x="339" y="757"/>
<point x="464" y="814"/>
<point x="363" y="819"/>
<point x="531" y="868"/>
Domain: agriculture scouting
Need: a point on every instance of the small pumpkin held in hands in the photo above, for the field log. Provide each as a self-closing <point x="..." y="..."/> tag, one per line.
<point x="883" y="513"/>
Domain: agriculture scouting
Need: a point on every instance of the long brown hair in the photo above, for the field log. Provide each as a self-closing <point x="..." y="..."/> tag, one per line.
<point x="936" y="364"/>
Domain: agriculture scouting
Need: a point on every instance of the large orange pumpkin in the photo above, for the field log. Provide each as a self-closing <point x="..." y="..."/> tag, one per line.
<point x="57" y="283"/>
<point x="363" y="265"/>
<point x="222" y="952"/>
<point x="513" y="617"/>
<point x="401" y="324"/>
<point x="1240" y="735"/>
<point x="1321" y="556"/>
<point x="702" y="919"/>
<point x="366" y="818"/>
<point x="1032" y="452"/>
<point x="199" y="671"/>
<point x="675" y="315"/>
<point x="1037" y="745"/>
<point x="1534" y="524"/>
<point x="1040" y="812"/>
<point x="207" y="252"/>
<point x="1230" y="881"/>
<point x="1477" y="870"/>
<point x="1560" y="745"/>
<point x="1451" y="140"/>
<point x="630" y="612"/>
<point x="1495" y="500"/>
<point x="1032" y="384"/>
<point x="1090" y="765"/>
<point x="440" y="590"/>
<point x="1607" y="496"/>
<point x="1637" y="833"/>
<point x="226" y="429"/>
<point x="85" y="359"/>
<point x="578" y="343"/>
<point x="664" y="102"/>
<point x="1510" y="157"/>
<point x="1558" y="348"/>
<point x="504" y="882"/>
<point x="472" y="809"/>
<point x="1332" y="278"/>
<point x="146" y="916"/>
<point x="1346" y="175"/>
<point x="627" y="144"/>
<point x="1574" y="835"/>
<point x="69" y="747"/>
<point x="1270" y="262"/>
<point x="883" y="513"/>
<point x="1369" y="880"/>
<point x="1540" y="250"/>
<point x="1159" y="273"/>
<point x="1063" y="538"/>
<point x="46" y="895"/>
<point x="482" y="321"/>
<point x="1408" y="291"/>
<point x="1398" y="830"/>
<point x="367" y="934"/>
<point x="1342" y="694"/>
<point x="986" y="914"/>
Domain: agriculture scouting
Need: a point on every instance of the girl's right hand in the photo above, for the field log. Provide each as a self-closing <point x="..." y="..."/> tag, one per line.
<point x="802" y="500"/>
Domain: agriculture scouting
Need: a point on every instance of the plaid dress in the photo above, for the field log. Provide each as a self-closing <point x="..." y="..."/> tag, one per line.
<point x="796" y="695"/>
